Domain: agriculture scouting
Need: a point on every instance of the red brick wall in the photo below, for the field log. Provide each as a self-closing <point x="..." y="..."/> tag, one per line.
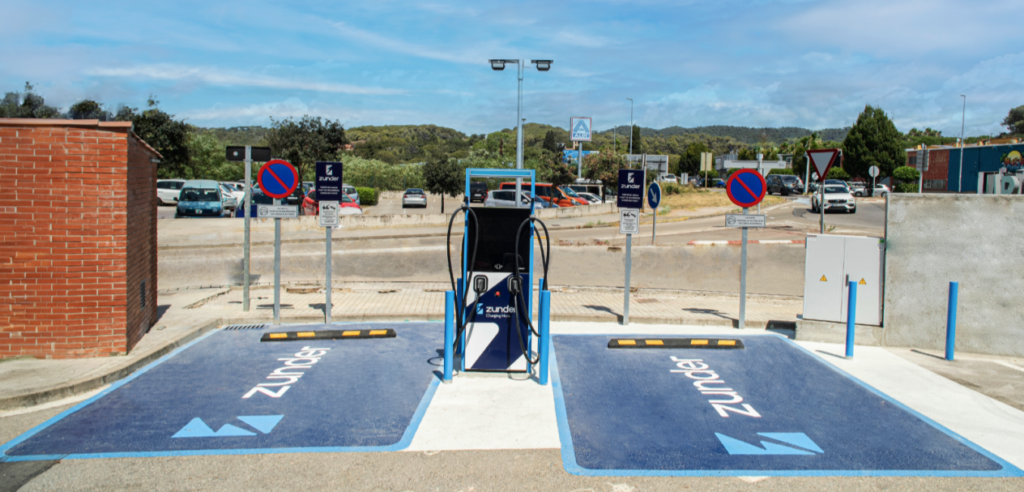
<point x="938" y="168"/>
<point x="64" y="242"/>
<point x="141" y="254"/>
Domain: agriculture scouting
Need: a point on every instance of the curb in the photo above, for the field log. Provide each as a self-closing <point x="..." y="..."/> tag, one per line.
<point x="87" y="384"/>
<point x="738" y="243"/>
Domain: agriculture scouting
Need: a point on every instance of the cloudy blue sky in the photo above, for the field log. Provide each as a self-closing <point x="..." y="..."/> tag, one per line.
<point x="812" y="64"/>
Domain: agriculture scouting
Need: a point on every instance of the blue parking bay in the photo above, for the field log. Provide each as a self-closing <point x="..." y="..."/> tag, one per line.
<point x="228" y="393"/>
<point x="768" y="408"/>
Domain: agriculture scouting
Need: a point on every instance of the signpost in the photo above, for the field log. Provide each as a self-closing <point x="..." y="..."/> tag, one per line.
<point x="873" y="171"/>
<point x="707" y="164"/>
<point x="277" y="179"/>
<point x="247" y="154"/>
<point x="630" y="201"/>
<point x="658" y="163"/>
<point x="654" y="199"/>
<point x="328" y="193"/>
<point x="579" y="131"/>
<point x="822" y="160"/>
<point x="746" y="188"/>
<point x="922" y="166"/>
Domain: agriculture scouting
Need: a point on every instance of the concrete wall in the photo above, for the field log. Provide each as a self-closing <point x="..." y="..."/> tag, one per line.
<point x="972" y="239"/>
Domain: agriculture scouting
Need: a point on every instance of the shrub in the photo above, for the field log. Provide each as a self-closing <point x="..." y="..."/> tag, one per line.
<point x="781" y="171"/>
<point x="367" y="196"/>
<point x="671" y="188"/>
<point x="838" y="173"/>
<point x="906" y="173"/>
<point x="906" y="188"/>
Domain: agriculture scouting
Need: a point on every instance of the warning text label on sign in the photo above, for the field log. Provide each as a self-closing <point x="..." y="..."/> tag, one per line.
<point x="737" y="220"/>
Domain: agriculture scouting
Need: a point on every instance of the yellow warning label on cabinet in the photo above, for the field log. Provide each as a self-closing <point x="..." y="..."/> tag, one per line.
<point x="862" y="282"/>
<point x="823" y="279"/>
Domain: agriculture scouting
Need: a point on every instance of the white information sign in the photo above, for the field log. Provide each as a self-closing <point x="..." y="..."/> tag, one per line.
<point x="329" y="214"/>
<point x="738" y="220"/>
<point x="277" y="212"/>
<point x="629" y="221"/>
<point x="753" y="164"/>
<point x="579" y="128"/>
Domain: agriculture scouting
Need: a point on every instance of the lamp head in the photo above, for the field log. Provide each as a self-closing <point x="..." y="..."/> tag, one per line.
<point x="543" y="65"/>
<point x="497" y="64"/>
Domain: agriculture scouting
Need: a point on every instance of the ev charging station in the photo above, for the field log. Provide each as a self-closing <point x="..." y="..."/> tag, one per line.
<point x="489" y="311"/>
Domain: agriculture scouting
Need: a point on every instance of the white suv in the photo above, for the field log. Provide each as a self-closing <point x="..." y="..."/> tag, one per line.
<point x="167" y="190"/>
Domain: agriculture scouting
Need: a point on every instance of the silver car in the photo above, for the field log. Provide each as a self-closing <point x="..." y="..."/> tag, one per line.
<point x="414" y="197"/>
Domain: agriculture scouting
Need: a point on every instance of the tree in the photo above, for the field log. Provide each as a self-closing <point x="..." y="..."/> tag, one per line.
<point x="165" y="134"/>
<point x="838" y="173"/>
<point x="908" y="177"/>
<point x="443" y="175"/>
<point x="554" y="170"/>
<point x="306" y="141"/>
<point x="873" y="141"/>
<point x="1014" y="121"/>
<point x="689" y="161"/>
<point x="27" y="104"/>
<point x="207" y="159"/>
<point x="87" y="109"/>
<point x="549" y="142"/>
<point x="638" y="141"/>
<point x="604" y="167"/>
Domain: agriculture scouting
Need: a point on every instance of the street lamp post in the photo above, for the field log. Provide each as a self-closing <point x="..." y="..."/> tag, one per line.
<point x="543" y="66"/>
<point x="963" y="116"/>
<point x="630" y="126"/>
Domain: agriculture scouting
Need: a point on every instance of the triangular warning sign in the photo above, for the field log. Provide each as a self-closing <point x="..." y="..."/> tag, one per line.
<point x="823" y="279"/>
<point x="862" y="282"/>
<point x="822" y="159"/>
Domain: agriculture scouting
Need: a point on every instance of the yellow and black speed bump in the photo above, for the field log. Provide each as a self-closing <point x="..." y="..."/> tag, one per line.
<point x="675" y="343"/>
<point x="291" y="336"/>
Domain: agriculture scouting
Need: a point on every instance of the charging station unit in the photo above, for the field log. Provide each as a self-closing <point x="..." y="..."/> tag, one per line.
<point x="489" y="318"/>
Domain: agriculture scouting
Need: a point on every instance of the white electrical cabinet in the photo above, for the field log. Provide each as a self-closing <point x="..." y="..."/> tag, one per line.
<point x="831" y="262"/>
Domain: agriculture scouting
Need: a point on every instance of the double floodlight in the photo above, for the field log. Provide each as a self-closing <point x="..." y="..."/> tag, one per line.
<point x="542" y="65"/>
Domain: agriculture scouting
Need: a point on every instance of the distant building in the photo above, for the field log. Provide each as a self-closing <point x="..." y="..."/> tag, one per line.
<point x="982" y="164"/>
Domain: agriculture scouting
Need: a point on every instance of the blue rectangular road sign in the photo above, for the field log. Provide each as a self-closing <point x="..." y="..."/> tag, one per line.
<point x="328" y="181"/>
<point x="769" y="408"/>
<point x="228" y="393"/>
<point x="631" y="188"/>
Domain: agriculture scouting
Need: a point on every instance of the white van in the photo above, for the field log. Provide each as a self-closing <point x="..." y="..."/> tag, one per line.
<point x="167" y="190"/>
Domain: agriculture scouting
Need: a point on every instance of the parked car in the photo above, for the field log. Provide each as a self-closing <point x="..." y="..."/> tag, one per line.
<point x="546" y="192"/>
<point x="203" y="198"/>
<point x="670" y="178"/>
<point x="718" y="183"/>
<point x="229" y="188"/>
<point x="881" y="190"/>
<point x="575" y="196"/>
<point x="590" y="197"/>
<point x="837" y="197"/>
<point x="352" y="193"/>
<point x="477" y="192"/>
<point x="858" y="188"/>
<point x="594" y="187"/>
<point x="414" y="197"/>
<point x="347" y="206"/>
<point x="506" y="198"/>
<point x="784" y="184"/>
<point x="258" y="198"/>
<point x="167" y="190"/>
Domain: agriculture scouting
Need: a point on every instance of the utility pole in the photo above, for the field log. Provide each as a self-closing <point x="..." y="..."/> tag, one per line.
<point x="630" y="125"/>
<point x="963" y="116"/>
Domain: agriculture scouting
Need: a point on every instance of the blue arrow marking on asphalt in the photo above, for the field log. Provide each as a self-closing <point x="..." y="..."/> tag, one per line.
<point x="231" y="431"/>
<point x="263" y="423"/>
<point x="738" y="447"/>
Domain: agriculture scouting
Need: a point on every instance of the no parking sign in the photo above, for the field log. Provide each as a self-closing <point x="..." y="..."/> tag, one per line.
<point x="278" y="178"/>
<point x="746" y="188"/>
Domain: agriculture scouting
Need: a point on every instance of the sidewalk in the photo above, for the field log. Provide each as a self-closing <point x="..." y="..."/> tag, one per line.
<point x="188" y="313"/>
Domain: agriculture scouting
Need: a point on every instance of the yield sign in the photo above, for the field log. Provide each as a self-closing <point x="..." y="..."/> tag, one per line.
<point x="822" y="159"/>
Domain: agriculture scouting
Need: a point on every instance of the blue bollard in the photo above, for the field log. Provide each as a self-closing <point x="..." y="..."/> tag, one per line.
<point x="954" y="287"/>
<point x="851" y="318"/>
<point x="544" y="344"/>
<point x="449" y="334"/>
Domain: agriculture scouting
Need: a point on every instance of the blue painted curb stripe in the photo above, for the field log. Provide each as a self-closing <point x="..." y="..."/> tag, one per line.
<point x="406" y="440"/>
<point x="571" y="466"/>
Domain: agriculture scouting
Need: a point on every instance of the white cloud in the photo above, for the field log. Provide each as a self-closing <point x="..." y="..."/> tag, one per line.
<point x="216" y="76"/>
<point x="394" y="43"/>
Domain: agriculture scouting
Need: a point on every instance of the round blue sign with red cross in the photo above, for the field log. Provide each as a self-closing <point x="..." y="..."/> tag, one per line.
<point x="746" y="188"/>
<point x="278" y="178"/>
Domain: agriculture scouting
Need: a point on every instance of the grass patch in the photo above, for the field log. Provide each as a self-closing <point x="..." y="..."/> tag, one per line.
<point x="698" y="199"/>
